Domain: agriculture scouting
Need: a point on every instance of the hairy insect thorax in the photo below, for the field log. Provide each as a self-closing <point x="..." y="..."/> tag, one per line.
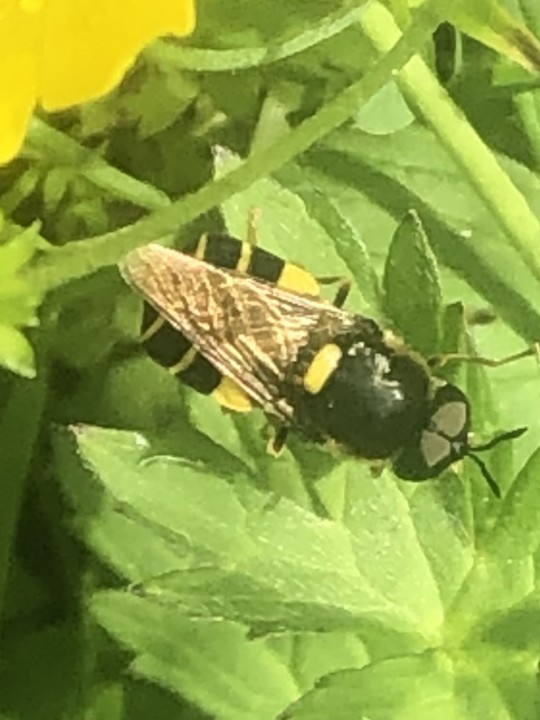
<point x="365" y="395"/>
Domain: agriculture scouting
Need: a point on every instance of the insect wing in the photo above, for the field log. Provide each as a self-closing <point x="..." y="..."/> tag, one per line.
<point x="249" y="330"/>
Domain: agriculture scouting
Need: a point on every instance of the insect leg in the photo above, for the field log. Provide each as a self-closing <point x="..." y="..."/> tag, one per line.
<point x="376" y="467"/>
<point x="438" y="361"/>
<point x="254" y="216"/>
<point x="278" y="442"/>
<point x="344" y="287"/>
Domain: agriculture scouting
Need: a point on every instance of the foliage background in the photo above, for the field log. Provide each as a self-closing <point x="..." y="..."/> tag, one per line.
<point x="299" y="586"/>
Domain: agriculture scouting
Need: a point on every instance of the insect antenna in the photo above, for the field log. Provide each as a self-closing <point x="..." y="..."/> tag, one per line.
<point x="488" y="477"/>
<point x="510" y="435"/>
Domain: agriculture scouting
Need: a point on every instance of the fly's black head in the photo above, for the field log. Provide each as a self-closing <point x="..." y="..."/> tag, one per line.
<point x="444" y="439"/>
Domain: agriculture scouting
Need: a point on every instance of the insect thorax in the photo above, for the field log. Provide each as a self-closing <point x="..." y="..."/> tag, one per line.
<point x="372" y="400"/>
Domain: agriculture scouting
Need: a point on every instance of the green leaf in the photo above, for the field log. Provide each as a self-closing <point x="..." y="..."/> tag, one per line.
<point x="452" y="341"/>
<point x="452" y="688"/>
<point x="517" y="531"/>
<point x="274" y="564"/>
<point x="398" y="567"/>
<point x="386" y="691"/>
<point x="210" y="663"/>
<point x="176" y="91"/>
<point x="18" y="302"/>
<point x="207" y="501"/>
<point x="489" y="22"/>
<point x="16" y="252"/>
<point x="55" y="186"/>
<point x="453" y="328"/>
<point x="212" y="534"/>
<point x="20" y="191"/>
<point x="384" y="113"/>
<point x="16" y="353"/>
<point x="412" y="287"/>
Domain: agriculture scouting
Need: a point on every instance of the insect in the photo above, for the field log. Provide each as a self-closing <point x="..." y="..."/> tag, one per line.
<point x="243" y="325"/>
<point x="168" y="346"/>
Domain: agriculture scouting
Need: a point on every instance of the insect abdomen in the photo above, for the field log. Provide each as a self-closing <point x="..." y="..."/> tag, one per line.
<point x="170" y="348"/>
<point x="227" y="252"/>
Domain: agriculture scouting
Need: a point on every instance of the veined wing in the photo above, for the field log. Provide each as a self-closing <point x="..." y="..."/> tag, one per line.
<point x="249" y="330"/>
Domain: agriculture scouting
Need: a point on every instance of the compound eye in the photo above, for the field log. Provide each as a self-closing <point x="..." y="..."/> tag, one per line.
<point x="442" y="440"/>
<point x="451" y="420"/>
<point x="434" y="448"/>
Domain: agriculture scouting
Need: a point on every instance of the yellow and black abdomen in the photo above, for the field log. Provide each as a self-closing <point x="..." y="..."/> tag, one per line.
<point x="171" y="349"/>
<point x="227" y="252"/>
<point x="167" y="345"/>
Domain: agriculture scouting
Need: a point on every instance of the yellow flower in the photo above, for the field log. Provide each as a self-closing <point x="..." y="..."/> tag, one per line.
<point x="61" y="52"/>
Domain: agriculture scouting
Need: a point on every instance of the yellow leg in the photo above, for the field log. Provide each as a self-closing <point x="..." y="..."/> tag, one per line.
<point x="254" y="216"/>
<point x="442" y="360"/>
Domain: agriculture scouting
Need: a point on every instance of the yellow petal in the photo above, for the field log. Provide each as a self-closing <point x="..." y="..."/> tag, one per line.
<point x="89" y="44"/>
<point x="19" y="35"/>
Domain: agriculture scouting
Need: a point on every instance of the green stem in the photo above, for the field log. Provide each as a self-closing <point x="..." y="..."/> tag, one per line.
<point x="81" y="258"/>
<point x="201" y="60"/>
<point x="463" y="143"/>
<point x="61" y="150"/>
<point x="18" y="432"/>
